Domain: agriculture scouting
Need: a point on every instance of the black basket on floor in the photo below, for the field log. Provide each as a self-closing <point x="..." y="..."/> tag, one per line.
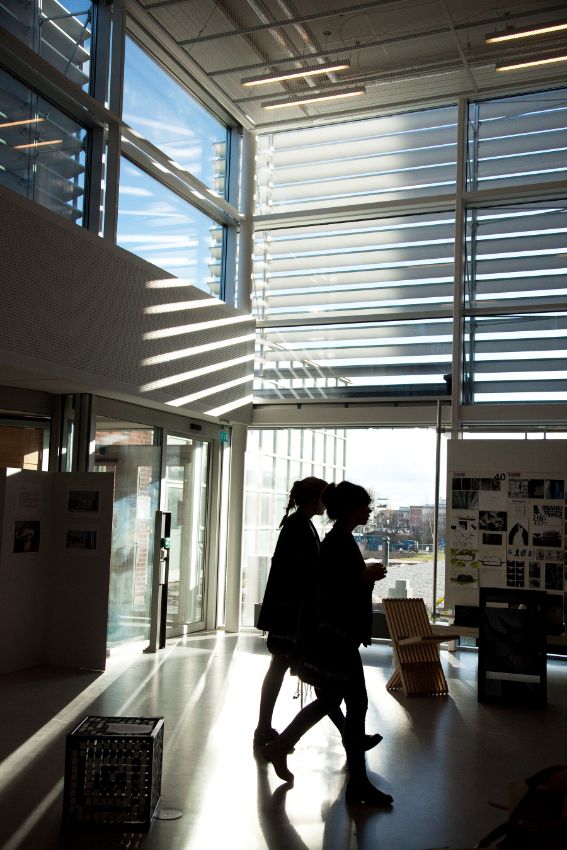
<point x="113" y="772"/>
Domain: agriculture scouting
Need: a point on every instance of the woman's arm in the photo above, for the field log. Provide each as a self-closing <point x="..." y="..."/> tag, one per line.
<point x="373" y="571"/>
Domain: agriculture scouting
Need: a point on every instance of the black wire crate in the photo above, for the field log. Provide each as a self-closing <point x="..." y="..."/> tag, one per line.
<point x="113" y="771"/>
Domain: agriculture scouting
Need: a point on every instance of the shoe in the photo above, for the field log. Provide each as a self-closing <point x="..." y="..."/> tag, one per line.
<point x="276" y="754"/>
<point x="366" y="793"/>
<point x="264" y="736"/>
<point x="371" y="741"/>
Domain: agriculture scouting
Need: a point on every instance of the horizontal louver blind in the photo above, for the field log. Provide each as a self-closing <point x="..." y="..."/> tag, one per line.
<point x="518" y="140"/>
<point x="517" y="258"/>
<point x="371" y="271"/>
<point x="400" y="156"/>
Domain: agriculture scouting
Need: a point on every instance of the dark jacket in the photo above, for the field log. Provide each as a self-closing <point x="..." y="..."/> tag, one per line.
<point x="290" y="583"/>
<point x="345" y="600"/>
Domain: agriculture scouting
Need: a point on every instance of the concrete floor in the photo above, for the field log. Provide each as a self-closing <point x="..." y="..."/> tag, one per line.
<point x="444" y="759"/>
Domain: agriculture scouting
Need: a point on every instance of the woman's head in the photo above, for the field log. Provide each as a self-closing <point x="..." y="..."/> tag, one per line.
<point x="305" y="495"/>
<point x="345" y="500"/>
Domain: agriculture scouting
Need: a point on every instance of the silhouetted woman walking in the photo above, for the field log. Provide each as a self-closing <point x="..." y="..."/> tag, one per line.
<point x="332" y="661"/>
<point x="291" y="581"/>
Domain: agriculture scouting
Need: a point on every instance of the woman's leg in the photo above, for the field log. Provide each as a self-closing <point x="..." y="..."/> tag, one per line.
<point x="276" y="751"/>
<point x="335" y="714"/>
<point x="359" y="788"/>
<point x="271" y="686"/>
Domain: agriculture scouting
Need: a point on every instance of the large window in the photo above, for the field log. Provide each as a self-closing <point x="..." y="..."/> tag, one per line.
<point x="42" y="150"/>
<point x="159" y="108"/>
<point x="364" y="305"/>
<point x="158" y="225"/>
<point x="397" y="467"/>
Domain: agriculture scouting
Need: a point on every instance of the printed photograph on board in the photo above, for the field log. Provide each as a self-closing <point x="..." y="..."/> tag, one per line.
<point x="26" y="536"/>
<point x="84" y="540"/>
<point x="84" y="501"/>
<point x="547" y="525"/>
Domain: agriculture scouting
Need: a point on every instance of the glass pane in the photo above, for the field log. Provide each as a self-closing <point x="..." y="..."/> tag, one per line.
<point x="24" y="444"/>
<point x="42" y="150"/>
<point x="397" y="466"/>
<point x="406" y="358"/>
<point x="517" y="140"/>
<point x="131" y="453"/>
<point x="61" y="33"/>
<point x="392" y="265"/>
<point x="164" y="112"/>
<point x="159" y="226"/>
<point x="397" y="156"/>
<point x="265" y="502"/>
<point x="516" y="259"/>
<point x="185" y="497"/>
<point x="518" y="358"/>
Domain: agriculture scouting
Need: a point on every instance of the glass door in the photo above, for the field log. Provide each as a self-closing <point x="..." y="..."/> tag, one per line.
<point x="186" y="478"/>
<point x="133" y="453"/>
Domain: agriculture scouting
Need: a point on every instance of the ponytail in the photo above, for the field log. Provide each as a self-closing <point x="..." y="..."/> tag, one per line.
<point x="303" y="492"/>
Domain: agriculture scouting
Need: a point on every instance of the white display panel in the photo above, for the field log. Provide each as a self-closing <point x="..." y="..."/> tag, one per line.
<point x="55" y="540"/>
<point x="506" y="520"/>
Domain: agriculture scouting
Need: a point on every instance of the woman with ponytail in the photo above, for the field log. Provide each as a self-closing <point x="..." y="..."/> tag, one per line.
<point x="332" y="662"/>
<point x="290" y="584"/>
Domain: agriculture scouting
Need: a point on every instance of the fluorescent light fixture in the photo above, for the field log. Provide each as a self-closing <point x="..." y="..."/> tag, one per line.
<point x="25" y="121"/>
<point x="511" y="34"/>
<point x="532" y="63"/>
<point x="297" y="73"/>
<point x="38" y="144"/>
<point x="306" y="99"/>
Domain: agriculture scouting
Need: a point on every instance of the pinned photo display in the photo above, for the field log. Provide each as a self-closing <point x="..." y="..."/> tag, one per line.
<point x="508" y="529"/>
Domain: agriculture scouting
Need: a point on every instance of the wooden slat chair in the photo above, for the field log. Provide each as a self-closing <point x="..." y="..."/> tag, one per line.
<point x="415" y="644"/>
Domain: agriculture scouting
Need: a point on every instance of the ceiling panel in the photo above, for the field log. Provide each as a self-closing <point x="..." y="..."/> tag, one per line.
<point x="402" y="52"/>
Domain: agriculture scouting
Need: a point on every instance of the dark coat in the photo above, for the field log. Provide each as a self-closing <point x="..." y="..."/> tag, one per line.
<point x="290" y="583"/>
<point x="330" y="659"/>
<point x="345" y="600"/>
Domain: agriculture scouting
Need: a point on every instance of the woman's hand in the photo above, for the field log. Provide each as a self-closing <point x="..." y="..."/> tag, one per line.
<point x="374" y="571"/>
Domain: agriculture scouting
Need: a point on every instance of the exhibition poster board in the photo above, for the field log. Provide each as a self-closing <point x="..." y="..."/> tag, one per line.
<point x="506" y="520"/>
<point x="55" y="541"/>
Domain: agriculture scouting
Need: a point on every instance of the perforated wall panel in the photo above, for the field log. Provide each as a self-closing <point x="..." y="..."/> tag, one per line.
<point x="74" y="305"/>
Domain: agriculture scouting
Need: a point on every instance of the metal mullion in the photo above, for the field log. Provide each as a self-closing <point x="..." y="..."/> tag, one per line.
<point x="355" y="212"/>
<point x="230" y="248"/>
<point x="147" y="156"/>
<point x="96" y="143"/>
<point x="457" y="371"/>
<point x="113" y="146"/>
<point x="507" y="195"/>
<point x="516" y="310"/>
<point x="377" y="319"/>
<point x="515" y="415"/>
